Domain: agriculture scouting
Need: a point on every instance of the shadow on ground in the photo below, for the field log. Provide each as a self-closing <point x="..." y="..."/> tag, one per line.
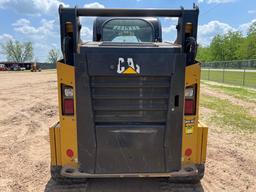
<point x="124" y="185"/>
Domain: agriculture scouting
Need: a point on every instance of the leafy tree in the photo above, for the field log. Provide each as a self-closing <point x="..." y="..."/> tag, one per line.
<point x="53" y="56"/>
<point x="16" y="51"/>
<point x="250" y="46"/>
<point x="217" y="48"/>
<point x="252" y="29"/>
<point x="250" y="43"/>
<point x="230" y="46"/>
<point x="203" y="54"/>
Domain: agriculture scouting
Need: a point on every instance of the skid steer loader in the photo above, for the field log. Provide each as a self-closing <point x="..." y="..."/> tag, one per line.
<point x="128" y="102"/>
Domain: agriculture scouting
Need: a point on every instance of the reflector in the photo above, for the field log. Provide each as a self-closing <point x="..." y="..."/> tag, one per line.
<point x="70" y="153"/>
<point x="188" y="152"/>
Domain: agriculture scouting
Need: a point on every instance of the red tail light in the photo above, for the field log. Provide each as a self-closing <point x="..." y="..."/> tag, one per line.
<point x="189" y="107"/>
<point x="67" y="100"/>
<point x="68" y="108"/>
<point x="190" y="101"/>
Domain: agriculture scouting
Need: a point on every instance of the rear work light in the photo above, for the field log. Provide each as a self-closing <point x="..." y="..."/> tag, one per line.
<point x="190" y="100"/>
<point x="67" y="100"/>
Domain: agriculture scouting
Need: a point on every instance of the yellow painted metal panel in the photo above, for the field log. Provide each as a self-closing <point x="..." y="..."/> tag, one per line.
<point x="68" y="131"/>
<point x="204" y="141"/>
<point x="52" y="146"/>
<point x="199" y="145"/>
<point x="66" y="137"/>
<point x="193" y="74"/>
<point x="58" y="145"/>
<point x="192" y="134"/>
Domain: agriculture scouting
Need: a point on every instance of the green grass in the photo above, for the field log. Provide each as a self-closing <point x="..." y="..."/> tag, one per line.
<point x="227" y="115"/>
<point x="231" y="77"/>
<point x="243" y="93"/>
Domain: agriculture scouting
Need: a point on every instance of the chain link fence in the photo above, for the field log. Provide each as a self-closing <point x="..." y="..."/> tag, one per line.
<point x="241" y="73"/>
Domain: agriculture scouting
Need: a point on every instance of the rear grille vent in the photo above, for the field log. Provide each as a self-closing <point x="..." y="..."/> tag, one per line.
<point x="132" y="100"/>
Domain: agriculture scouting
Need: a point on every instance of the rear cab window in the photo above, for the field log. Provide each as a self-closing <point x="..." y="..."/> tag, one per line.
<point x="127" y="30"/>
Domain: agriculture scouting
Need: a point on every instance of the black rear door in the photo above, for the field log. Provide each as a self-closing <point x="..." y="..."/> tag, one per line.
<point x="129" y="109"/>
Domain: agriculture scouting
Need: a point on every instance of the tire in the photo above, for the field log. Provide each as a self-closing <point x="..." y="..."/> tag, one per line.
<point x="58" y="178"/>
<point x="192" y="179"/>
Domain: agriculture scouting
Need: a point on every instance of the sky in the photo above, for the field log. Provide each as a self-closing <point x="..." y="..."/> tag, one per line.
<point x="37" y="20"/>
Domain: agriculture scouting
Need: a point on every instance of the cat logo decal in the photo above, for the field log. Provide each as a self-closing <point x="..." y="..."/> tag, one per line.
<point x="127" y="67"/>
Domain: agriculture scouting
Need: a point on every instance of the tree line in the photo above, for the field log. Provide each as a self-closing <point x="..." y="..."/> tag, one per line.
<point x="230" y="46"/>
<point x="21" y="52"/>
<point x="223" y="47"/>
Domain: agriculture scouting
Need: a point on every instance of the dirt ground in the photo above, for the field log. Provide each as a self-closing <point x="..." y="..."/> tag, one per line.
<point x="29" y="106"/>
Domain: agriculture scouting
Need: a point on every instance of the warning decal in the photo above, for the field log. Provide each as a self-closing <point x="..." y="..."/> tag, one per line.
<point x="189" y="126"/>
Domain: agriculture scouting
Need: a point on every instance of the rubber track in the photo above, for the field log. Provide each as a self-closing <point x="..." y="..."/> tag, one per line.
<point x="124" y="185"/>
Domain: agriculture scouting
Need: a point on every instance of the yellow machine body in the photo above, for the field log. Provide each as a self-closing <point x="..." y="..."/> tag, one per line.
<point x="63" y="135"/>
